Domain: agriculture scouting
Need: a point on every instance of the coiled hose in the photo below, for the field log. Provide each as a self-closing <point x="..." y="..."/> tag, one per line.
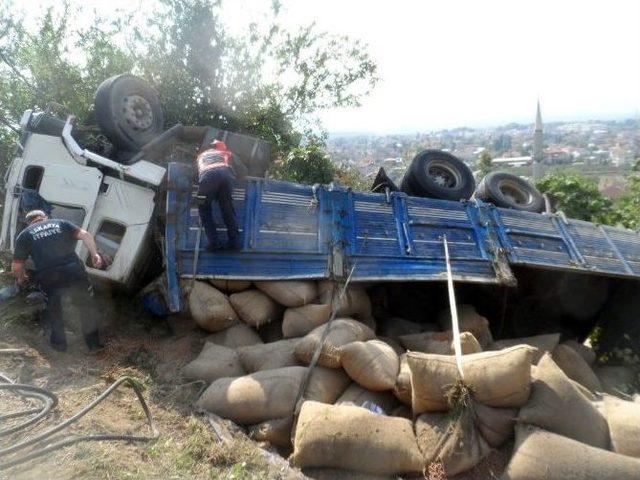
<point x="49" y="401"/>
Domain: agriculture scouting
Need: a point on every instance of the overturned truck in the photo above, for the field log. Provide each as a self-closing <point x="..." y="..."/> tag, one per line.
<point x="529" y="272"/>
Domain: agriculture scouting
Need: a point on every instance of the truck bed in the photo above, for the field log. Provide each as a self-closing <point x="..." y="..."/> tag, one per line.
<point x="293" y="231"/>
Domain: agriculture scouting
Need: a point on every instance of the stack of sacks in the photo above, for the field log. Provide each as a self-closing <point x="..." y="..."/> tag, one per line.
<point x="565" y="434"/>
<point x="373" y="407"/>
<point x="262" y="339"/>
<point x="460" y="433"/>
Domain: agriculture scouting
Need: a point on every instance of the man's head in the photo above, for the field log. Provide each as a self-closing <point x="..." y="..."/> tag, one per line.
<point x="35" y="216"/>
<point x="219" y="145"/>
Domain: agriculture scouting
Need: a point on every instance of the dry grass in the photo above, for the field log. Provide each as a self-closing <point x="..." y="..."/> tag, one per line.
<point x="187" y="446"/>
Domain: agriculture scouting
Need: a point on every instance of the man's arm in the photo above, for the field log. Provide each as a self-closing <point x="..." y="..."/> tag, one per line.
<point x="89" y="242"/>
<point x="17" y="268"/>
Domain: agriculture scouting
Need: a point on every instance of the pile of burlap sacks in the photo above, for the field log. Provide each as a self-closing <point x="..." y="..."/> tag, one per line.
<point x="386" y="397"/>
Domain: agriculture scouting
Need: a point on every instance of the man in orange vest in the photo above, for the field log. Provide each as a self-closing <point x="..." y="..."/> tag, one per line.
<point x="215" y="183"/>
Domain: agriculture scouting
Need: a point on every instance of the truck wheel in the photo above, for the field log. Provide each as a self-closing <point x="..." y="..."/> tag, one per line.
<point x="510" y="191"/>
<point x="128" y="111"/>
<point x="437" y="174"/>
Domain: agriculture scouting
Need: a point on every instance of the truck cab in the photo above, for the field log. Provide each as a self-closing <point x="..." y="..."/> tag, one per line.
<point x="114" y="203"/>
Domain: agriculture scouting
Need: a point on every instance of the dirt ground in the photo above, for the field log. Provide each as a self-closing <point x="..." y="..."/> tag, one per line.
<point x="152" y="351"/>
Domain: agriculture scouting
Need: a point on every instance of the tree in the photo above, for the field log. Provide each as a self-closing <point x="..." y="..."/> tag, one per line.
<point x="268" y="81"/>
<point x="626" y="209"/>
<point x="308" y="164"/>
<point x="577" y="196"/>
<point x="484" y="164"/>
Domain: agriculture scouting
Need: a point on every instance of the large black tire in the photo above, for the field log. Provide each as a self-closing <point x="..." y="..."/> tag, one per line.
<point x="510" y="191"/>
<point x="128" y="111"/>
<point x="438" y="174"/>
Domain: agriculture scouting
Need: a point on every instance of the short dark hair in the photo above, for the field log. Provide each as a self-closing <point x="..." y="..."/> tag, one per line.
<point x="33" y="214"/>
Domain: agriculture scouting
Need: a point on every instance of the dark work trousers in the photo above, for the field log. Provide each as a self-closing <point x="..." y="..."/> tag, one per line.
<point x="69" y="281"/>
<point x="216" y="184"/>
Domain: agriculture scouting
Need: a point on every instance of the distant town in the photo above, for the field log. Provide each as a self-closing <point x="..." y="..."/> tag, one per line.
<point x="605" y="150"/>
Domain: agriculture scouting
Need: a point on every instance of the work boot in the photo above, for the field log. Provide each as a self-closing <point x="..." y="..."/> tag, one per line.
<point x="60" y="347"/>
<point x="93" y="341"/>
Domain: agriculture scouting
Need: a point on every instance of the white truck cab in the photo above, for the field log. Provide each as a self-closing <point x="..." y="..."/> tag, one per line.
<point x="111" y="201"/>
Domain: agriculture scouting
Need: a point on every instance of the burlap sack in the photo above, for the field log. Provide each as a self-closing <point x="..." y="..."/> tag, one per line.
<point x="556" y="405"/>
<point x="624" y="425"/>
<point x="238" y="335"/>
<point x="498" y="379"/>
<point x="586" y="352"/>
<point x="254" y="398"/>
<point x="469" y="321"/>
<point x="357" y="396"/>
<point x="342" y="332"/>
<point x="254" y="307"/>
<point x="369" y="322"/>
<point x="495" y="424"/>
<point x="396" y="327"/>
<point x="210" y="308"/>
<point x="290" y="293"/>
<point x="300" y="321"/>
<point x="402" y="388"/>
<point x="589" y="395"/>
<point x="231" y="286"/>
<point x="354" y="438"/>
<point x="428" y="342"/>
<point x="543" y="344"/>
<point x="276" y="432"/>
<point x="268" y="356"/>
<point x="355" y="303"/>
<point x="440" y="343"/>
<point x="214" y="362"/>
<point x="372" y="364"/>
<point x="451" y="439"/>
<point x="544" y="455"/>
<point x="574" y="367"/>
<point x="393" y="344"/>
<point x="616" y="379"/>
<point x="326" y="385"/>
<point x="468" y="344"/>
<point x="464" y="311"/>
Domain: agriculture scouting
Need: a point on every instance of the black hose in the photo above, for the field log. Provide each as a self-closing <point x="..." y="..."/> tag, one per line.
<point x="40" y="450"/>
<point x="48" y="400"/>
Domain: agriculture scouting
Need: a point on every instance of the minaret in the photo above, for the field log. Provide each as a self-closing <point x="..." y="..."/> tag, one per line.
<point x="537" y="145"/>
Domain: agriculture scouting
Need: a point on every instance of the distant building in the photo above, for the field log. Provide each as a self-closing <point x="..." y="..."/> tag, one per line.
<point x="512" y="161"/>
<point x="538" y="155"/>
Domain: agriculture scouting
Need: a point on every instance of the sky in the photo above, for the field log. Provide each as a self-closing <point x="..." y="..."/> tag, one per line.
<point x="453" y="63"/>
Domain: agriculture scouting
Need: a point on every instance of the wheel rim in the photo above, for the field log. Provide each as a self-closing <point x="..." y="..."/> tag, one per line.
<point x="443" y="175"/>
<point x="137" y="112"/>
<point x="514" y="192"/>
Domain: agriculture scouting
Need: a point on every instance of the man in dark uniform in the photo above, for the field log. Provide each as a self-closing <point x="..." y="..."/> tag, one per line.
<point x="51" y="244"/>
<point x="215" y="183"/>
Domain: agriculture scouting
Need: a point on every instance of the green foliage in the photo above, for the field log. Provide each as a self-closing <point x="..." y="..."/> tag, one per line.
<point x="308" y="164"/>
<point x="351" y="177"/>
<point x="267" y="81"/>
<point x="577" y="196"/>
<point x="626" y="209"/>
<point x="484" y="164"/>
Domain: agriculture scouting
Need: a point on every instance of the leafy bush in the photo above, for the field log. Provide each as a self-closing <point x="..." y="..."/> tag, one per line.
<point x="578" y="197"/>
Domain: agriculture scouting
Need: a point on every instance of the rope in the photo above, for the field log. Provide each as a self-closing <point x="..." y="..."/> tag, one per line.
<point x="455" y="327"/>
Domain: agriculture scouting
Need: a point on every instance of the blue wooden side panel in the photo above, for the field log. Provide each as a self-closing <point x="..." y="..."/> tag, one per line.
<point x="554" y="242"/>
<point x="533" y="239"/>
<point x="596" y="248"/>
<point x="400" y="238"/>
